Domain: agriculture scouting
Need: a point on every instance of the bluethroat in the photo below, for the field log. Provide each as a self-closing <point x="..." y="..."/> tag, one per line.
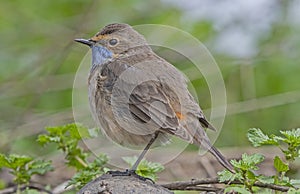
<point x="138" y="98"/>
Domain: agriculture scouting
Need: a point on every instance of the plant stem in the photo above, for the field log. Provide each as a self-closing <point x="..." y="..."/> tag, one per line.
<point x="83" y="163"/>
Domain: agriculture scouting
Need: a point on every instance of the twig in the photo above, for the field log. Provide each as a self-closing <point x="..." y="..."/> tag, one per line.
<point x="13" y="189"/>
<point x="203" y="188"/>
<point x="181" y="185"/>
<point x="62" y="188"/>
<point x="194" y="185"/>
<point x="272" y="186"/>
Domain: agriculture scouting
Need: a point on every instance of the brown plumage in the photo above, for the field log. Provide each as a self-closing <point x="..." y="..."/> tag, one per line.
<point x="134" y="93"/>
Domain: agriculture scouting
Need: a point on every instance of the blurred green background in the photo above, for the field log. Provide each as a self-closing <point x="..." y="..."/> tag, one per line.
<point x="256" y="45"/>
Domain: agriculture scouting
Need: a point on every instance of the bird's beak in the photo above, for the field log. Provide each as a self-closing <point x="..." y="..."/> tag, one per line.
<point x="89" y="42"/>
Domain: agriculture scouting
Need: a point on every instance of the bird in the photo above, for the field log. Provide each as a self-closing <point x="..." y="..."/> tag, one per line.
<point x="137" y="98"/>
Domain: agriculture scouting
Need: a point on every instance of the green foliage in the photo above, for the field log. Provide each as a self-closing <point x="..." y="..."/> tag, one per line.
<point x="249" y="163"/>
<point x="279" y="165"/>
<point x="258" y="138"/>
<point x="244" y="171"/>
<point x="145" y="168"/>
<point x="88" y="173"/>
<point x="23" y="167"/>
<point x="288" y="142"/>
<point x="66" y="138"/>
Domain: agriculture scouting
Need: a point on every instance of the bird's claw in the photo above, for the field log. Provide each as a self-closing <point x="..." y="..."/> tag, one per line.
<point x="129" y="173"/>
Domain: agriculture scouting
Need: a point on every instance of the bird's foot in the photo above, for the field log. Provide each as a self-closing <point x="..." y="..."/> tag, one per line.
<point x="129" y="173"/>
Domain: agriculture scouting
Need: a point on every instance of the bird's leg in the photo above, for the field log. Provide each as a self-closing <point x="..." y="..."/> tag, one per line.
<point x="141" y="156"/>
<point x="131" y="171"/>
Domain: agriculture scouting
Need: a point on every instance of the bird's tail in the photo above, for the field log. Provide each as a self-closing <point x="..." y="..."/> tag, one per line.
<point x="204" y="142"/>
<point x="223" y="161"/>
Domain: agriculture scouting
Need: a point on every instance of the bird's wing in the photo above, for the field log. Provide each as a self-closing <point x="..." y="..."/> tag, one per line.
<point x="149" y="102"/>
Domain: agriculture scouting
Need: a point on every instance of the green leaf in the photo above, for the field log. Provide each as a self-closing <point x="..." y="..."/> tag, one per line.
<point x="45" y="139"/>
<point x="39" y="167"/>
<point x="82" y="178"/>
<point x="23" y="167"/>
<point x="145" y="168"/>
<point x="294" y="133"/>
<point x="4" y="162"/>
<point x="266" y="179"/>
<point x="66" y="138"/>
<point x="248" y="162"/>
<point x="292" y="138"/>
<point x="94" y="169"/>
<point x="78" y="131"/>
<point x="253" y="159"/>
<point x="258" y="138"/>
<point x="14" y="161"/>
<point x="279" y="165"/>
<point x="225" y="175"/>
<point x="251" y="176"/>
<point x="65" y="133"/>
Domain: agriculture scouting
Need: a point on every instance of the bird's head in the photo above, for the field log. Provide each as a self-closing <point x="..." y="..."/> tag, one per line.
<point x="111" y="41"/>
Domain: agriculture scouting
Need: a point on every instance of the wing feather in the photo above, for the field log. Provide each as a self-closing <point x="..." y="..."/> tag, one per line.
<point x="149" y="99"/>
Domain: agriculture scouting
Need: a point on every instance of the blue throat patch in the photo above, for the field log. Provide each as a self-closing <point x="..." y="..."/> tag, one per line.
<point x="100" y="55"/>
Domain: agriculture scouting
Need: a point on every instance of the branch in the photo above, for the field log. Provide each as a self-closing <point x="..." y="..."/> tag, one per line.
<point x="194" y="185"/>
<point x="125" y="184"/>
<point x="14" y="189"/>
<point x="108" y="183"/>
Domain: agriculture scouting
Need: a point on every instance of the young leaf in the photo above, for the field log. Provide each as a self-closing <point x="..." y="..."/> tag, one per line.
<point x="82" y="178"/>
<point x="248" y="162"/>
<point x="252" y="159"/>
<point x="66" y="138"/>
<point x="7" y="161"/>
<point x="291" y="133"/>
<point x="258" y="138"/>
<point x="145" y="168"/>
<point x="39" y="167"/>
<point x="225" y="175"/>
<point x="90" y="172"/>
<point x="23" y="167"/>
<point x="265" y="179"/>
<point x="279" y="165"/>
<point x="292" y="137"/>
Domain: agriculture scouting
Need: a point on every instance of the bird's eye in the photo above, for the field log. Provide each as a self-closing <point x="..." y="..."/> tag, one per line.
<point x="113" y="42"/>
